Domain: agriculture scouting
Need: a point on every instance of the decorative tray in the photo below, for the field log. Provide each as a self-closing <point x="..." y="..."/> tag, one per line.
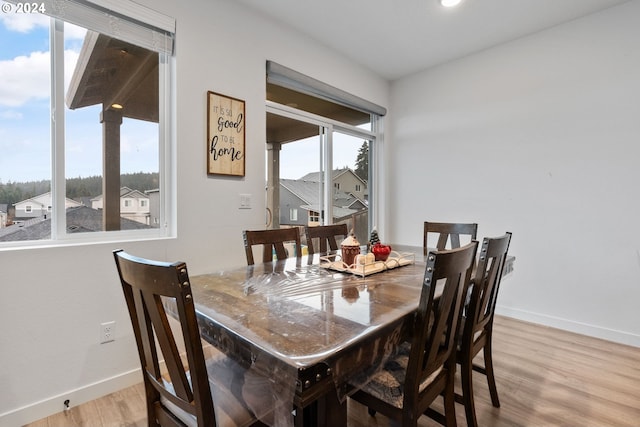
<point x="395" y="259"/>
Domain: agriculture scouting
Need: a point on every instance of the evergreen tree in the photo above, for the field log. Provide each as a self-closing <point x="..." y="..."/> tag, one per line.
<point x="362" y="162"/>
<point x="13" y="192"/>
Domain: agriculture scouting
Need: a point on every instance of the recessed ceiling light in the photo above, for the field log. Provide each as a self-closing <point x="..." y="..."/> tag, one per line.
<point x="116" y="106"/>
<point x="450" y="3"/>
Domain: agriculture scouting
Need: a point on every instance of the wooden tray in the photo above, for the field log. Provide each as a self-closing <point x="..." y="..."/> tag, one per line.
<point x="395" y="260"/>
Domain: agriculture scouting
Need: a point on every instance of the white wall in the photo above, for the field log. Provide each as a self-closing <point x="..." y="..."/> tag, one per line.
<point x="541" y="137"/>
<point x="49" y="347"/>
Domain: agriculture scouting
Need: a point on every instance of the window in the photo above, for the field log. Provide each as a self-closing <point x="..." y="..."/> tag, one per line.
<point x="143" y="203"/>
<point x="293" y="214"/>
<point x="87" y="83"/>
<point x="28" y="209"/>
<point x="318" y="145"/>
<point x="357" y="187"/>
<point x="128" y="203"/>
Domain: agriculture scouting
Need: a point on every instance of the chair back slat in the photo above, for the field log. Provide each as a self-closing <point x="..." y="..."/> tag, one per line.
<point x="448" y="232"/>
<point x="325" y="236"/>
<point x="486" y="283"/>
<point x="433" y="345"/>
<point x="271" y="241"/>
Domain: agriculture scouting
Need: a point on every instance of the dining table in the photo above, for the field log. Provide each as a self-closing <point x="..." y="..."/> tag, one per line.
<point x="307" y="330"/>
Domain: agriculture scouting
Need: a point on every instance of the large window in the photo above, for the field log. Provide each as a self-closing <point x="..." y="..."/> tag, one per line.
<point x="84" y="121"/>
<point x="320" y="143"/>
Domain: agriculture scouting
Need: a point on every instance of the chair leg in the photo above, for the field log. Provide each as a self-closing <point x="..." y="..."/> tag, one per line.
<point x="466" y="374"/>
<point x="491" y="380"/>
<point x="450" y="403"/>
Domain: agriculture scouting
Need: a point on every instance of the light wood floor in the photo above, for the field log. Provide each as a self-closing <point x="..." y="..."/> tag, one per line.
<point x="546" y="377"/>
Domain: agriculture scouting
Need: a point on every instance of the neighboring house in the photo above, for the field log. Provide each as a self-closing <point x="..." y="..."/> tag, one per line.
<point x="300" y="203"/>
<point x="3" y="214"/>
<point x="38" y="206"/>
<point x="80" y="219"/>
<point x="154" y="207"/>
<point x="134" y="205"/>
<point x="344" y="180"/>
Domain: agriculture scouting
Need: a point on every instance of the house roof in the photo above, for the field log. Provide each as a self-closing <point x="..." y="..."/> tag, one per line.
<point x="112" y="71"/>
<point x="308" y="192"/>
<point x="338" y="212"/>
<point x="336" y="173"/>
<point x="79" y="219"/>
<point x="38" y="200"/>
<point x="126" y="192"/>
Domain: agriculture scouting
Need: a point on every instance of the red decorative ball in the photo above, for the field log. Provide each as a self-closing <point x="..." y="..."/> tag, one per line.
<point x="380" y="251"/>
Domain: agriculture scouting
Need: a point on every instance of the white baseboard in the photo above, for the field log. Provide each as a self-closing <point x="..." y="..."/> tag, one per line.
<point x="571" y="325"/>
<point x="53" y="405"/>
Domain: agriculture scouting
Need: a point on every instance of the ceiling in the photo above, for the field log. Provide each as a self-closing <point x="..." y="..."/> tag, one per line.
<point x="399" y="38"/>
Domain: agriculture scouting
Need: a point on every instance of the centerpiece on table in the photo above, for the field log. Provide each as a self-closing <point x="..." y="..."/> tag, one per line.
<point x="350" y="248"/>
<point x="377" y="248"/>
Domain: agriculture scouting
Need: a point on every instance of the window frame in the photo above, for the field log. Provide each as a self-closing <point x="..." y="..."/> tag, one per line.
<point x="129" y="15"/>
<point x="374" y="137"/>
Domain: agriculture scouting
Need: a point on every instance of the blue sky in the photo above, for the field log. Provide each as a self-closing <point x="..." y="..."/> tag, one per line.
<point x="25" y="136"/>
<point x="301" y="157"/>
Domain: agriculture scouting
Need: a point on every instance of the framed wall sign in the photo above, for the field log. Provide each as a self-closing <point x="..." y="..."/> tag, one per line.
<point x="225" y="135"/>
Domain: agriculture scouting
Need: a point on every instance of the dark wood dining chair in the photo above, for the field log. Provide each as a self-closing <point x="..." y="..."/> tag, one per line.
<point x="271" y="241"/>
<point x="325" y="236"/>
<point x="448" y="234"/>
<point x="477" y="325"/>
<point x="424" y="367"/>
<point x="182" y="396"/>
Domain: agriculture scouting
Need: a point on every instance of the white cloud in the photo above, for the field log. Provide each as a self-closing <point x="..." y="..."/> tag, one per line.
<point x="70" y="61"/>
<point x="23" y="22"/>
<point x="27" y="78"/>
<point x="24" y="78"/>
<point x="11" y="115"/>
<point x="74" y="32"/>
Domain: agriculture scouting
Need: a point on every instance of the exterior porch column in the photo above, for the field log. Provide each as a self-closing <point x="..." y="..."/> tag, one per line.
<point x="111" y="121"/>
<point x="273" y="183"/>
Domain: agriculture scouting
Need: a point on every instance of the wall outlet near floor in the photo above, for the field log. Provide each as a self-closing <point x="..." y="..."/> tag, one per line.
<point x="107" y="332"/>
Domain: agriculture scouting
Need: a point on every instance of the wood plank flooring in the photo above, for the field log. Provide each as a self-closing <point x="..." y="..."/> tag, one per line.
<point x="546" y="377"/>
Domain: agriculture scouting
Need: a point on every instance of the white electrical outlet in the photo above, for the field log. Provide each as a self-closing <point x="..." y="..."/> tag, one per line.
<point x="107" y="332"/>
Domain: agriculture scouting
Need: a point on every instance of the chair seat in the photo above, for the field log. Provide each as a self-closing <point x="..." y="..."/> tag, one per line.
<point x="387" y="384"/>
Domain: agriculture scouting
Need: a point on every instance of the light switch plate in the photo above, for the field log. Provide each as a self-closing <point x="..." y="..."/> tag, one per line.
<point x="245" y="201"/>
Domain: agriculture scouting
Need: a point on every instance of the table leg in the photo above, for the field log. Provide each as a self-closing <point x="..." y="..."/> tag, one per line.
<point x="327" y="411"/>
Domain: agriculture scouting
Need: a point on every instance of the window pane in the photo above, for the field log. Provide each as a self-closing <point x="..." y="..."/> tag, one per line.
<point x="111" y="110"/>
<point x="350" y="178"/>
<point x="300" y="185"/>
<point x="25" y="159"/>
<point x="107" y="136"/>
